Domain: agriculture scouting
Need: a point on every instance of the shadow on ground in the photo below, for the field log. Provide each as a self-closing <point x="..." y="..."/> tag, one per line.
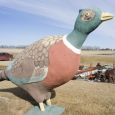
<point x="19" y="92"/>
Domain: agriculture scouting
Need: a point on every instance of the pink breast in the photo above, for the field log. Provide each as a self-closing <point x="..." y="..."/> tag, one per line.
<point x="63" y="65"/>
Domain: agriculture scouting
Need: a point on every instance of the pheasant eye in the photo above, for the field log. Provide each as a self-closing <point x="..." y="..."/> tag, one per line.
<point x="87" y="15"/>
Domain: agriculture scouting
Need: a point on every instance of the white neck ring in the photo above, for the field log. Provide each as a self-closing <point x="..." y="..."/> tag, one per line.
<point x="70" y="46"/>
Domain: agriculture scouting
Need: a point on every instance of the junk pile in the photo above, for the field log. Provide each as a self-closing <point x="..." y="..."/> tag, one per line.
<point x="99" y="73"/>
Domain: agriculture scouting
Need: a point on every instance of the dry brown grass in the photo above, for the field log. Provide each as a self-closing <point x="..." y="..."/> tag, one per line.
<point x="3" y="64"/>
<point x="94" y="59"/>
<point x="78" y="98"/>
<point x="87" y="98"/>
<point x="10" y="104"/>
<point x="10" y="50"/>
<point x="13" y="51"/>
<point x="98" y="52"/>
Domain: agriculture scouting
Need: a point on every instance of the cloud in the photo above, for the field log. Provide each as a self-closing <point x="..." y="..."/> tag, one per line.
<point x="63" y="11"/>
<point x="50" y="9"/>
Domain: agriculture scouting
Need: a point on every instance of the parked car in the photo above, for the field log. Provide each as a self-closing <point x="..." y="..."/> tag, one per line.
<point x="5" y="56"/>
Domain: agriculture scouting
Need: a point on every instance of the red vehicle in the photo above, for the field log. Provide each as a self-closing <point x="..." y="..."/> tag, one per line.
<point x="5" y="56"/>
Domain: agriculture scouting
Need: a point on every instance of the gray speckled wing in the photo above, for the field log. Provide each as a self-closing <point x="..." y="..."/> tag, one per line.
<point x="34" y="56"/>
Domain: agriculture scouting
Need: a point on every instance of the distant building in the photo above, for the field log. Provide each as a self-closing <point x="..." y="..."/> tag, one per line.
<point x="5" y="56"/>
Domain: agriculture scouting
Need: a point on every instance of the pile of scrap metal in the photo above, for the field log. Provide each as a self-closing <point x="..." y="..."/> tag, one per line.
<point x="110" y="75"/>
<point x="98" y="73"/>
<point x="84" y="72"/>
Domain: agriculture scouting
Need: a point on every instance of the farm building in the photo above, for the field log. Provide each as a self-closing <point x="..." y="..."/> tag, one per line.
<point x="5" y="56"/>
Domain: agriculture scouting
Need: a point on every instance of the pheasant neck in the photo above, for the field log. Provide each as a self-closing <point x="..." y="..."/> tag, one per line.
<point x="76" y="38"/>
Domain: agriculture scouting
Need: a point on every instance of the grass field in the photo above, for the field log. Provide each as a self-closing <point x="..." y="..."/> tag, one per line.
<point x="77" y="97"/>
<point x="98" y="52"/>
<point x="11" y="50"/>
<point x="93" y="57"/>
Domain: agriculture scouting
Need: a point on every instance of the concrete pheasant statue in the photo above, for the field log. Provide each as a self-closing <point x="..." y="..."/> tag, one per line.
<point x="54" y="60"/>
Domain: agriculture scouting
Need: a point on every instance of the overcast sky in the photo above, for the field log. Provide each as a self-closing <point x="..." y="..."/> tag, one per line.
<point x="24" y="21"/>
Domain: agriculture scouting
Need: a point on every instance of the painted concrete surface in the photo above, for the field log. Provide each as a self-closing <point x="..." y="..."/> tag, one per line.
<point x="49" y="110"/>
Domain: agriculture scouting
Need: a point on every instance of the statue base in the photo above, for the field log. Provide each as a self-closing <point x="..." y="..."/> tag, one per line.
<point x="49" y="110"/>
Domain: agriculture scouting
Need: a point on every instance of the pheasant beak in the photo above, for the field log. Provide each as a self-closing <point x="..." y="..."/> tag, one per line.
<point x="106" y="16"/>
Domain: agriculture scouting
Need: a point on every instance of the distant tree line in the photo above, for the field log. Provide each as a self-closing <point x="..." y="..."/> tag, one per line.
<point x="90" y="48"/>
<point x="95" y="48"/>
<point x="12" y="46"/>
<point x="83" y="48"/>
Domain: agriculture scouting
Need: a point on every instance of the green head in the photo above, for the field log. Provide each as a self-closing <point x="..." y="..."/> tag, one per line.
<point x="89" y="19"/>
